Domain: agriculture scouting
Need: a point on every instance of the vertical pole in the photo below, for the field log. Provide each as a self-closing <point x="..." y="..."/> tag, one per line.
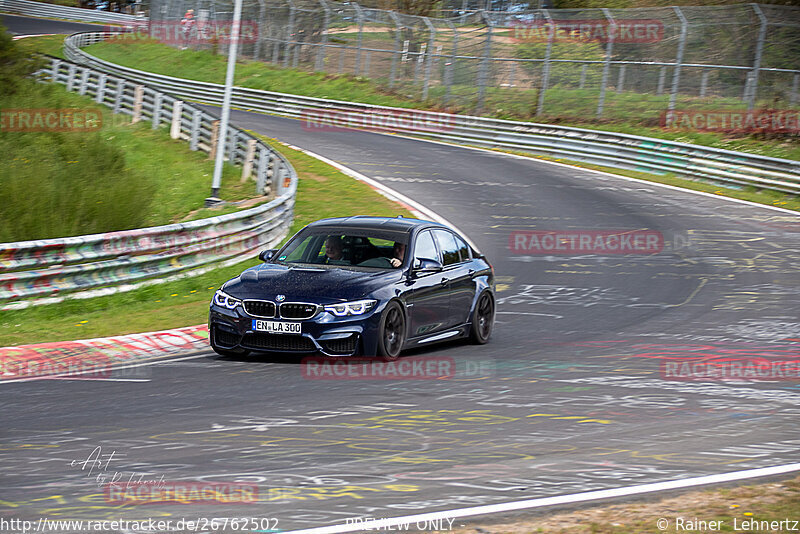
<point x="262" y="23"/>
<point x="795" y="84"/>
<point x="621" y="79"/>
<point x="84" y="81"/>
<point x="101" y="88"/>
<point x="324" y="36"/>
<point x="762" y="33"/>
<point x="138" y="97"/>
<point x="288" y="46"/>
<point x="365" y="71"/>
<point x="512" y="73"/>
<point x="450" y="67"/>
<point x="360" y="20"/>
<point x="612" y="30"/>
<point x="483" y="73"/>
<point x="226" y="103"/>
<point x="662" y="75"/>
<point x="429" y="59"/>
<point x="583" y="75"/>
<point x="197" y="117"/>
<point x="249" y="156"/>
<point x="396" y="51"/>
<point x="676" y="76"/>
<point x="262" y="186"/>
<point x="118" y="96"/>
<point x="546" y="66"/>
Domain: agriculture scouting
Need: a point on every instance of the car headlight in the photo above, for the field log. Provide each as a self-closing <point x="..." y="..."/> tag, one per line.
<point x="357" y="307"/>
<point x="224" y="300"/>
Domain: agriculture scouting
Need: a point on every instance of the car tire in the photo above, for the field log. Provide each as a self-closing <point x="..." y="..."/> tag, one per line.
<point x="482" y="319"/>
<point x="392" y="332"/>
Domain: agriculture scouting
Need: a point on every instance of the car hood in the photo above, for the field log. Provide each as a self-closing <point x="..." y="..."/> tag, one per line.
<point x="314" y="284"/>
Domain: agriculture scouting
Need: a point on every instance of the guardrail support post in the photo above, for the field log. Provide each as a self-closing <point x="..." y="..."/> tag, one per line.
<point x="101" y="88"/>
<point x="156" y="122"/>
<point x="118" y="95"/>
<point x="84" y="81"/>
<point x="214" y="142"/>
<point x="194" y="140"/>
<point x="249" y="156"/>
<point x="71" y="78"/>
<point x="704" y="83"/>
<point x="138" y="97"/>
<point x="612" y="30"/>
<point x="262" y="183"/>
<point x="177" y="119"/>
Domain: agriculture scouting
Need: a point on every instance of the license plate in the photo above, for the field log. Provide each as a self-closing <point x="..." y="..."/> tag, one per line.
<point x="276" y="327"/>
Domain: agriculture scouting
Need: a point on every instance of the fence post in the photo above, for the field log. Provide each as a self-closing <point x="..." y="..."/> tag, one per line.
<point x="450" y="67"/>
<point x="795" y="84"/>
<point x="156" y="110"/>
<point x="360" y="19"/>
<point x="365" y="72"/>
<point x="54" y="70"/>
<point x="231" y="140"/>
<point x="676" y="76"/>
<point x="483" y="72"/>
<point x="177" y="119"/>
<point x="397" y="25"/>
<point x="621" y="79"/>
<point x="262" y="22"/>
<point x="101" y="88"/>
<point x="612" y="30"/>
<point x="197" y="118"/>
<point x="583" y="75"/>
<point x="762" y="32"/>
<point x="661" y="77"/>
<point x="288" y="47"/>
<point x="214" y="142"/>
<point x="704" y="83"/>
<point x="546" y="66"/>
<point x="324" y="37"/>
<point x="138" y="97"/>
<point x="429" y="59"/>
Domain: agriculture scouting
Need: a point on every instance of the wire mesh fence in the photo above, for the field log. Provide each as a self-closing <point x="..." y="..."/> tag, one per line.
<point x="638" y="64"/>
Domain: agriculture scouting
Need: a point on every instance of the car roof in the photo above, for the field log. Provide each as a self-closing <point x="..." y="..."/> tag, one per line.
<point x="397" y="224"/>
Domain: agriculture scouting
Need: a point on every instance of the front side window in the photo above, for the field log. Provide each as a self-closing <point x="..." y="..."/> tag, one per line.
<point x="425" y="248"/>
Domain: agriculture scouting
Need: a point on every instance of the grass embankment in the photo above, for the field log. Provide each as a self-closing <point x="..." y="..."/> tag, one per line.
<point x="185" y="302"/>
<point x="624" y="111"/>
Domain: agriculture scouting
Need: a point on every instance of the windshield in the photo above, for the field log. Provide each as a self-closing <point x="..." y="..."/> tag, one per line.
<point x="346" y="247"/>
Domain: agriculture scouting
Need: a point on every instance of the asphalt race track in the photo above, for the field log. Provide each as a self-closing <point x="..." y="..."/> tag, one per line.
<point x="576" y="391"/>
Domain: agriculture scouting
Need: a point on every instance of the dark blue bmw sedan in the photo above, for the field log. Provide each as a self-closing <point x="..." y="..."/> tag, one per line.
<point x="357" y="286"/>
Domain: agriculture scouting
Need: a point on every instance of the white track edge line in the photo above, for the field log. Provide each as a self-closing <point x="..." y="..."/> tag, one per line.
<point x="583" y="497"/>
<point x="386" y="191"/>
<point x="604" y="173"/>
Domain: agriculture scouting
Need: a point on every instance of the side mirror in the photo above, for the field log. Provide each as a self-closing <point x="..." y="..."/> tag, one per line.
<point x="266" y="255"/>
<point x="426" y="266"/>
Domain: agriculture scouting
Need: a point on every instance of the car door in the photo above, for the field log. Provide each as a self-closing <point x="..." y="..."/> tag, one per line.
<point x="458" y="275"/>
<point x="428" y="301"/>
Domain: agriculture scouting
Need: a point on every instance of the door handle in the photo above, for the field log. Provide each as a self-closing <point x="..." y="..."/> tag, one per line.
<point x="445" y="281"/>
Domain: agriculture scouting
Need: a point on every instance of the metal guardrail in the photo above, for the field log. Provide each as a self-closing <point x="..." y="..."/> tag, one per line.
<point x="616" y="150"/>
<point x="47" y="271"/>
<point x="41" y="9"/>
